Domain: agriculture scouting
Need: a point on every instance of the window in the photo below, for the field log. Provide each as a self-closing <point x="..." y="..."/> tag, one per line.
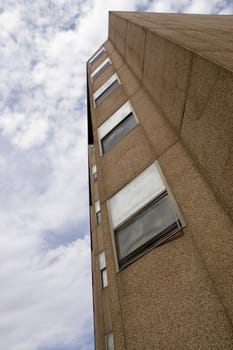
<point x="92" y="148"/>
<point x="98" y="71"/>
<point x="94" y="172"/>
<point x="109" y="341"/>
<point x="106" y="89"/>
<point x="103" y="270"/>
<point x="97" y="55"/>
<point x="97" y="212"/>
<point x="143" y="215"/>
<point x="116" y="127"/>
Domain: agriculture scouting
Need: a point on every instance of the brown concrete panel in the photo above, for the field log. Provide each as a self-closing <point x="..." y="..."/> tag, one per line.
<point x="103" y="77"/>
<point x="129" y="81"/>
<point x="207" y="223"/>
<point x="99" y="238"/>
<point x="209" y="36"/>
<point x="124" y="161"/>
<point x="168" y="295"/>
<point x="109" y="47"/>
<point x="121" y="28"/>
<point x="116" y="59"/>
<point x="157" y="130"/>
<point x="112" y="289"/>
<point x="154" y="64"/>
<point x="93" y="66"/>
<point x="135" y="48"/>
<point x="177" y="64"/>
<point x="208" y="126"/>
<point x="106" y="310"/>
<point x="110" y="105"/>
<point x="111" y="27"/>
<point x="98" y="309"/>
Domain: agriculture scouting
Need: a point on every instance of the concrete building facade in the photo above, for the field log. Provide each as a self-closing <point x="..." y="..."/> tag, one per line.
<point x="160" y="134"/>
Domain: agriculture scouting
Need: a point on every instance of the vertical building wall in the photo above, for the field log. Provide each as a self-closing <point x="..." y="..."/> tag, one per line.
<point x="179" y="294"/>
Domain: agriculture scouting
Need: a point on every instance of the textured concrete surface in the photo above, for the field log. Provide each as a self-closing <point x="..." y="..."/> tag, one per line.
<point x="178" y="295"/>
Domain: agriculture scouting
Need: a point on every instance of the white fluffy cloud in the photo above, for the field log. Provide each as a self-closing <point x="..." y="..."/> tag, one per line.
<point x="45" y="299"/>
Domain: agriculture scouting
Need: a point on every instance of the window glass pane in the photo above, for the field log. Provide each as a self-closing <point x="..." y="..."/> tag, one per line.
<point x="107" y="92"/>
<point x="153" y="223"/>
<point x="102" y="260"/>
<point x="118" y="132"/>
<point x="109" y="341"/>
<point x="104" y="278"/>
<point x="100" y="69"/>
<point x="135" y="195"/>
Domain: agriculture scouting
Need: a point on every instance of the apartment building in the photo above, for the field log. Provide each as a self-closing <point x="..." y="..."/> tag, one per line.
<point x="160" y="143"/>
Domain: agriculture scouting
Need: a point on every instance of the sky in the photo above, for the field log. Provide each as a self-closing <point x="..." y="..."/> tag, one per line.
<point x="45" y="273"/>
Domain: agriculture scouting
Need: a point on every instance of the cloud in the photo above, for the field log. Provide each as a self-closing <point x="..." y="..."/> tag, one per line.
<point x="45" y="299"/>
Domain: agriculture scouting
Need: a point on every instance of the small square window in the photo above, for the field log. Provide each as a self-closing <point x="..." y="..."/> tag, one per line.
<point x="100" y="69"/>
<point x="109" y="341"/>
<point x="106" y="89"/>
<point x="143" y="215"/>
<point x="116" y="127"/>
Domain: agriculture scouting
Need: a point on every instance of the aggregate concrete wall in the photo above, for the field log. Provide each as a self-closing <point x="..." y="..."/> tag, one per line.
<point x="178" y="295"/>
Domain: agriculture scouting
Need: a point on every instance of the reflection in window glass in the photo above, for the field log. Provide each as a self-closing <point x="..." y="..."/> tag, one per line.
<point x="143" y="214"/>
<point x="151" y="224"/>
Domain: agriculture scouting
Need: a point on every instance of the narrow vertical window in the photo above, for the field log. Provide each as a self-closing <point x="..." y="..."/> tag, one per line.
<point x="98" y="212"/>
<point x="103" y="270"/>
<point x="94" y="172"/>
<point x="109" y="341"/>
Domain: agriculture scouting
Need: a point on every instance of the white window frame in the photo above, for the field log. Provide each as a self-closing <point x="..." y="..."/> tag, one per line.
<point x="97" y="55"/>
<point x="114" y="77"/>
<point x="100" y="67"/>
<point x="103" y="270"/>
<point x="115" y="224"/>
<point x="113" y="121"/>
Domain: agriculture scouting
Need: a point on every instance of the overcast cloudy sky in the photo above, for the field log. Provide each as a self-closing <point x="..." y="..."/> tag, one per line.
<point x="45" y="283"/>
